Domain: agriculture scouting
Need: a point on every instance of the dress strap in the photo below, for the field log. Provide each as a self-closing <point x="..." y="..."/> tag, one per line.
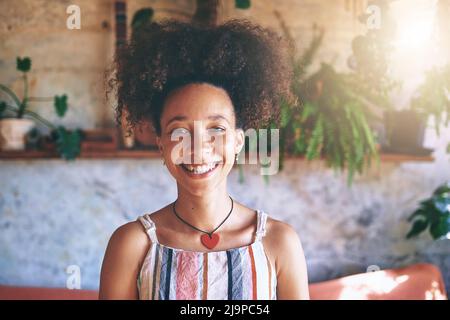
<point x="261" y="226"/>
<point x="149" y="226"/>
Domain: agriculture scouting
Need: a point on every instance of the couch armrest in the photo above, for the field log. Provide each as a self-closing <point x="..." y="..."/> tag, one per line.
<point x="37" y="293"/>
<point x="421" y="281"/>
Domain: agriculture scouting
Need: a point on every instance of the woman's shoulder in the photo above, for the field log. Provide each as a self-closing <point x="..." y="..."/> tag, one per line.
<point x="124" y="254"/>
<point x="134" y="231"/>
<point x="130" y="238"/>
<point x="280" y="237"/>
<point x="280" y="230"/>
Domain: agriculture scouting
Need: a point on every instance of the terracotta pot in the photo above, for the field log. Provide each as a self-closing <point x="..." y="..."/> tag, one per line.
<point x="405" y="132"/>
<point x="13" y="132"/>
<point x="144" y="134"/>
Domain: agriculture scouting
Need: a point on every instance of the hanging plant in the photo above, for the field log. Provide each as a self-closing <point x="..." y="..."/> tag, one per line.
<point x="333" y="124"/>
<point x="331" y="121"/>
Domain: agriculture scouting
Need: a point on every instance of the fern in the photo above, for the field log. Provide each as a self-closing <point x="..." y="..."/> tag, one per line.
<point x="316" y="142"/>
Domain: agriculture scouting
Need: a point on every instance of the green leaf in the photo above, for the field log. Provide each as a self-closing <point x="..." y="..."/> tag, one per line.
<point x="427" y="204"/>
<point x="242" y="4"/>
<point x="24" y="64"/>
<point x="440" y="228"/>
<point x="308" y="110"/>
<point x="442" y="189"/>
<point x="60" y="104"/>
<point x="417" y="213"/>
<point x="68" y="143"/>
<point x="316" y="143"/>
<point x="300" y="144"/>
<point x="418" y="227"/>
<point x="141" y="17"/>
<point x="442" y="202"/>
<point x="2" y="107"/>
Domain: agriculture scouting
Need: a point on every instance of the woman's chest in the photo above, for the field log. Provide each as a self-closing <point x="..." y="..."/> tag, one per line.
<point x="240" y="273"/>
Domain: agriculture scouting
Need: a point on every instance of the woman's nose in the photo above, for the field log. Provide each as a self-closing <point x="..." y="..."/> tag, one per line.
<point x="203" y="145"/>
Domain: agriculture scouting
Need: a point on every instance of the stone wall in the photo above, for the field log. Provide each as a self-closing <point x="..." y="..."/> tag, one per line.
<point x="54" y="214"/>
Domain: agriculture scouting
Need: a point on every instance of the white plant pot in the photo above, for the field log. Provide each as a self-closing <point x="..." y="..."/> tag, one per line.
<point x="12" y="133"/>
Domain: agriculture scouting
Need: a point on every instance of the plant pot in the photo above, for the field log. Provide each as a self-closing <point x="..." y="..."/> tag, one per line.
<point x="145" y="135"/>
<point x="13" y="132"/>
<point x="142" y="135"/>
<point x="405" y="132"/>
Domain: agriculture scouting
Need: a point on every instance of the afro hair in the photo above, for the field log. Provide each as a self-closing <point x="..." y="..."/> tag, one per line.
<point x="248" y="61"/>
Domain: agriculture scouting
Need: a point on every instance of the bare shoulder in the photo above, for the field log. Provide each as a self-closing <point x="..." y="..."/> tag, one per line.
<point x="130" y="236"/>
<point x="281" y="232"/>
<point x="124" y="254"/>
<point x="128" y="242"/>
<point x="291" y="269"/>
<point x="281" y="238"/>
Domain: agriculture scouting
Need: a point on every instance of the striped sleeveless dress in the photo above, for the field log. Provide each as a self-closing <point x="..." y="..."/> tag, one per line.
<point x="243" y="273"/>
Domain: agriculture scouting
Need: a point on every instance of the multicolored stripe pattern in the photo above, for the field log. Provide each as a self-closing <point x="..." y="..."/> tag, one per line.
<point x="243" y="273"/>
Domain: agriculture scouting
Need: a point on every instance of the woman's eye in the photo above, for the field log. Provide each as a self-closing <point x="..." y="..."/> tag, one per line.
<point x="180" y="131"/>
<point x="183" y="131"/>
<point x="218" y="129"/>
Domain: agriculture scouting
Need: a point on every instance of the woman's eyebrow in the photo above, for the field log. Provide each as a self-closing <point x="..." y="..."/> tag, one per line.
<point x="176" y="118"/>
<point x="217" y="117"/>
<point x="211" y="117"/>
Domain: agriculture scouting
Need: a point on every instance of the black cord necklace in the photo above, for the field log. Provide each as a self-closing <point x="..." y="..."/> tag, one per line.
<point x="208" y="239"/>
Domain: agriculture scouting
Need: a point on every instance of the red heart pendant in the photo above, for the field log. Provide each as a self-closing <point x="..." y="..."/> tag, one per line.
<point x="210" y="242"/>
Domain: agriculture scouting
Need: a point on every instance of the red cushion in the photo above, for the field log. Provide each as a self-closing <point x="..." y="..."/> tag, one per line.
<point x="37" y="293"/>
<point x="421" y="281"/>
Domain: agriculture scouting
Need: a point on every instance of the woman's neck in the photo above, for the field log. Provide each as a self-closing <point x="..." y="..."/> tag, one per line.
<point x="206" y="212"/>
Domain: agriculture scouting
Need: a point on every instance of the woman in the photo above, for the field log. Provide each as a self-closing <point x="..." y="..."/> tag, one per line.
<point x="197" y="83"/>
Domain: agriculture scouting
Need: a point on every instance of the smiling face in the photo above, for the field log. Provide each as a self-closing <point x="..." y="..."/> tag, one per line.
<point x="199" y="139"/>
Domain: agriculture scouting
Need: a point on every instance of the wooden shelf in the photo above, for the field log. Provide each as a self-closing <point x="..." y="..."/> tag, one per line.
<point x="154" y="154"/>
<point x="109" y="154"/>
<point x="388" y="157"/>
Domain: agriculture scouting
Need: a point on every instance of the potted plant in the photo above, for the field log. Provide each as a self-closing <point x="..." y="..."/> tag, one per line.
<point x="434" y="214"/>
<point x="406" y="128"/>
<point x="433" y="97"/>
<point x="13" y="129"/>
<point x="369" y="61"/>
<point x="331" y="121"/>
<point x="16" y="120"/>
<point x="405" y="132"/>
<point x="334" y="124"/>
<point x="371" y="77"/>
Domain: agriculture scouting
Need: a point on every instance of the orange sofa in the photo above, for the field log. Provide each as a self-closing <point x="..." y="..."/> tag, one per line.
<point x="417" y="282"/>
<point x="421" y="281"/>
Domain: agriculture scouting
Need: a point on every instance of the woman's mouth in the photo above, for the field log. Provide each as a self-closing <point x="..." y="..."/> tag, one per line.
<point x="199" y="171"/>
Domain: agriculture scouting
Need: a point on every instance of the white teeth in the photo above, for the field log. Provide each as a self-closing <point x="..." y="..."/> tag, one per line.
<point x="200" y="169"/>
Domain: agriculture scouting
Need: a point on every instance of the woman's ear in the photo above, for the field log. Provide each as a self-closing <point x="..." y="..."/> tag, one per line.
<point x="240" y="140"/>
